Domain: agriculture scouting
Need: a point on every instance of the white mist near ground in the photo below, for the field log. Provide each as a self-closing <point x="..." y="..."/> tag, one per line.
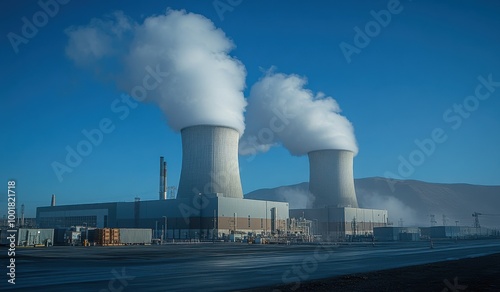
<point x="296" y="197"/>
<point x="177" y="60"/>
<point x="282" y="111"/>
<point x="396" y="209"/>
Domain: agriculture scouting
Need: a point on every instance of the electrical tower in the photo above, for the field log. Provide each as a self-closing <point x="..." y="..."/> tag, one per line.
<point x="171" y="192"/>
<point x="433" y="220"/>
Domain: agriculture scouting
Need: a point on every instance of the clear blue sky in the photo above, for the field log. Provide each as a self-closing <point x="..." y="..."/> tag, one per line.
<point x="394" y="90"/>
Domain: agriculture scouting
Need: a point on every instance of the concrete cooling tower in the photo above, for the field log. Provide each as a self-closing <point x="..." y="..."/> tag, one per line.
<point x="210" y="162"/>
<point x="331" y="178"/>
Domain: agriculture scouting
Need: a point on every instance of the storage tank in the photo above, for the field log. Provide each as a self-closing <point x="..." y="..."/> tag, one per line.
<point x="210" y="162"/>
<point x="331" y="178"/>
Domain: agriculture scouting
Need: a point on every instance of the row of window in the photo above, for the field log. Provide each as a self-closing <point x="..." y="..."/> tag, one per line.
<point x="51" y="222"/>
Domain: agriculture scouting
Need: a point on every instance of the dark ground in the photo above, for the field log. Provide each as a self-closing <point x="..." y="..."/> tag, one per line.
<point x="473" y="274"/>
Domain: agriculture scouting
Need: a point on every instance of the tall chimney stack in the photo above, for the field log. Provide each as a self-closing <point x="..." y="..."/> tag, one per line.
<point x="165" y="175"/>
<point x="162" y="179"/>
<point x="53" y="201"/>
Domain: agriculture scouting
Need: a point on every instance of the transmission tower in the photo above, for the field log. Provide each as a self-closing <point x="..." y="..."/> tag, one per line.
<point x="445" y="220"/>
<point x="433" y="220"/>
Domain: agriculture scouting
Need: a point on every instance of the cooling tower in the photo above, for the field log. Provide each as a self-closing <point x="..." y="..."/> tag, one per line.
<point x="331" y="178"/>
<point x="210" y="162"/>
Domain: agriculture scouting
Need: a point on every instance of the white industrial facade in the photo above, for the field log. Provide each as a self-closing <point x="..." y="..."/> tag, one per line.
<point x="201" y="216"/>
<point x="334" y="223"/>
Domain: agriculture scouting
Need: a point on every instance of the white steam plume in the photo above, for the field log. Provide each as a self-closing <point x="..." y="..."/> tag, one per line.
<point x="396" y="209"/>
<point x="296" y="197"/>
<point x="282" y="111"/>
<point x="178" y="60"/>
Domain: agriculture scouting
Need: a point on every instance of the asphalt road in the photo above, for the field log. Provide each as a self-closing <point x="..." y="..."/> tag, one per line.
<point x="216" y="267"/>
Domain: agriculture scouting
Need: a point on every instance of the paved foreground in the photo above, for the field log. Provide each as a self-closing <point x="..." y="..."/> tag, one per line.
<point x="470" y="274"/>
<point x="217" y="267"/>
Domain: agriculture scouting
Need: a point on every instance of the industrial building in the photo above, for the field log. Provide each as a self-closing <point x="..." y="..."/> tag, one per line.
<point x="28" y="236"/>
<point x="459" y="232"/>
<point x="204" y="216"/>
<point x="337" y="224"/>
<point x="391" y="233"/>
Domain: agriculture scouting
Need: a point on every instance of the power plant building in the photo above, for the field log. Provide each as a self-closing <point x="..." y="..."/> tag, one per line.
<point x="209" y="202"/>
<point x="200" y="217"/>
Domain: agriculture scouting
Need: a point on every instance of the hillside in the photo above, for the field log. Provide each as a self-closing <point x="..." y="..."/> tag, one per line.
<point x="413" y="201"/>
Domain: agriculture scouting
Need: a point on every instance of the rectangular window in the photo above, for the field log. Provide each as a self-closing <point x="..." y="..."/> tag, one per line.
<point x="249" y="225"/>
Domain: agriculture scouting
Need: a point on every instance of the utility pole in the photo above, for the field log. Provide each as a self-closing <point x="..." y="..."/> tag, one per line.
<point x="165" y="230"/>
<point x="22" y="215"/>
<point x="215" y="224"/>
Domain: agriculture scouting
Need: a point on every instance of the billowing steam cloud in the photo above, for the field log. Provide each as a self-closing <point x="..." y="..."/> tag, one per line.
<point x="178" y="60"/>
<point x="282" y="111"/>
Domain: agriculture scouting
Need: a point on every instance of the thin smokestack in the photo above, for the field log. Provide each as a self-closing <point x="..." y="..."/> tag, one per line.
<point x="162" y="179"/>
<point x="53" y="201"/>
<point x="165" y="185"/>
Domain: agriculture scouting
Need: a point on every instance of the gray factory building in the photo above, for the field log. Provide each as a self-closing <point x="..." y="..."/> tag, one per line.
<point x="334" y="223"/>
<point x="460" y="232"/>
<point x="391" y="233"/>
<point x="202" y="216"/>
